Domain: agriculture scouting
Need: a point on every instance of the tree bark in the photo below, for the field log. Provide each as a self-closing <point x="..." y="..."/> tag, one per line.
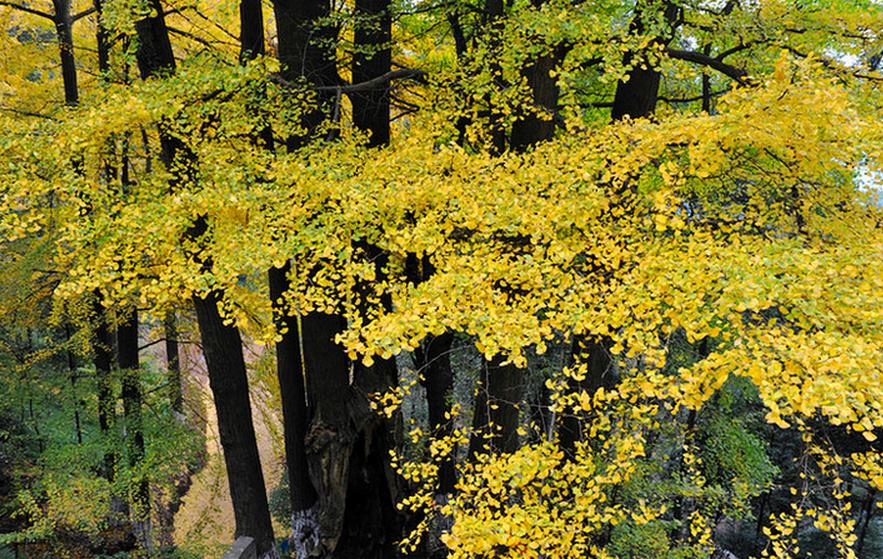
<point x="130" y="368"/>
<point x="637" y="96"/>
<point x="435" y="363"/>
<point x="222" y="344"/>
<point x="64" y="29"/>
<point x="228" y="380"/>
<point x="599" y="374"/>
<point x="495" y="419"/>
<point x="173" y="363"/>
<point x="103" y="358"/>
<point x="290" y="372"/>
<point x="373" y="58"/>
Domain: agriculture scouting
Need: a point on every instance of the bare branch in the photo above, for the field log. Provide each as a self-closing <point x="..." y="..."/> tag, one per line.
<point x="379" y="82"/>
<point x="737" y="74"/>
<point x="29" y="10"/>
<point x="83" y="14"/>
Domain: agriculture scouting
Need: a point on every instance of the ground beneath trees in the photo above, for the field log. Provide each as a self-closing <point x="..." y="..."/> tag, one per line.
<point x="204" y="524"/>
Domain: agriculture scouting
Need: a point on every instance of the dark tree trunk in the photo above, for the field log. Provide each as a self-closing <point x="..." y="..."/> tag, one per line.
<point x="290" y="372"/>
<point x="435" y="363"/>
<point x="346" y="443"/>
<point x="495" y="419"/>
<point x="173" y="363"/>
<point x="228" y="380"/>
<point x="222" y="344"/>
<point x="306" y="50"/>
<point x="102" y="345"/>
<point x="64" y="29"/>
<point x="373" y="58"/>
<point x="331" y="434"/>
<point x="599" y="373"/>
<point x="534" y="128"/>
<point x="251" y="35"/>
<point x="129" y="364"/>
<point x="637" y="96"/>
<point x="103" y="43"/>
<point x="72" y="369"/>
<point x="154" y="53"/>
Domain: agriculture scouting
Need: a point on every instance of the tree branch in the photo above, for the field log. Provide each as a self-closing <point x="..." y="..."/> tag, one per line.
<point x="377" y="83"/>
<point x="83" y="14"/>
<point x="29" y="10"/>
<point x="737" y="74"/>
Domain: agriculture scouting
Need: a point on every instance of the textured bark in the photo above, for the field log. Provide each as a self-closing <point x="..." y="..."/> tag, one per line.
<point x="228" y="380"/>
<point x="290" y="372"/>
<point x="495" y="418"/>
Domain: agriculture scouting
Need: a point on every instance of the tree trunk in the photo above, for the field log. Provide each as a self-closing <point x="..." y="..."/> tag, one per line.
<point x="228" y="380"/>
<point x="63" y="27"/>
<point x="221" y="343"/>
<point x="173" y="363"/>
<point x="130" y="368"/>
<point x="495" y="419"/>
<point x="534" y="128"/>
<point x="599" y="374"/>
<point x="103" y="358"/>
<point x="372" y="34"/>
<point x="637" y="96"/>
<point x="435" y="363"/>
<point x="290" y="372"/>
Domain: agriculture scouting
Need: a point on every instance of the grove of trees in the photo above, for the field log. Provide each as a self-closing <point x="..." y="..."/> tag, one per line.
<point x="546" y="279"/>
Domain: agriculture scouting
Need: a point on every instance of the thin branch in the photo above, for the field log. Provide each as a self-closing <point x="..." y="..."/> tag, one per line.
<point x="83" y="14"/>
<point x="29" y="10"/>
<point x="26" y="113"/>
<point x="737" y="74"/>
<point x="691" y="99"/>
<point x="190" y="36"/>
<point x="379" y="82"/>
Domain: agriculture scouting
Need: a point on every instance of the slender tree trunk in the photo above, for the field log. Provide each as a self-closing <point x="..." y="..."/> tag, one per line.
<point x="102" y="345"/>
<point x="495" y="419"/>
<point x="127" y="358"/>
<point x="173" y="363"/>
<point x="72" y="369"/>
<point x="435" y="363"/>
<point x="594" y="354"/>
<point x="222" y="344"/>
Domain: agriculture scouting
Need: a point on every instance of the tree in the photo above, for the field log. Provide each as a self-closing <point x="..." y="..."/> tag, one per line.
<point x="672" y="196"/>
